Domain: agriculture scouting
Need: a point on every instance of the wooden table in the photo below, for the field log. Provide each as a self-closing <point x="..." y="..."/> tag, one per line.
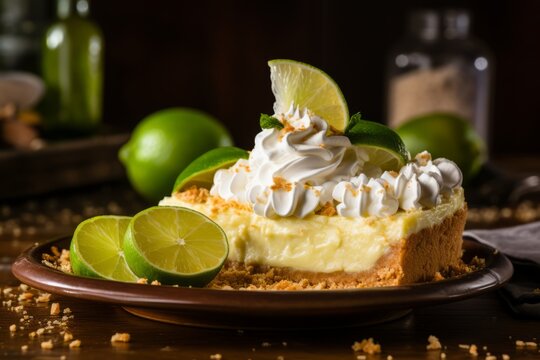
<point x="484" y="321"/>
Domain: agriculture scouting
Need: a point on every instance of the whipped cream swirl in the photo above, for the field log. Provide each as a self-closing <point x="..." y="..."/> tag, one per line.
<point x="419" y="184"/>
<point x="302" y="167"/>
<point x="291" y="171"/>
<point x="363" y="196"/>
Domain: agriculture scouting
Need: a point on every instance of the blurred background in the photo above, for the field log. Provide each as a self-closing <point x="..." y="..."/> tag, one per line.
<point x="212" y="55"/>
<point x="393" y="61"/>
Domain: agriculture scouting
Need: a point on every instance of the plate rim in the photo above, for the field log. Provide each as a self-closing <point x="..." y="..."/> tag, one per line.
<point x="32" y="272"/>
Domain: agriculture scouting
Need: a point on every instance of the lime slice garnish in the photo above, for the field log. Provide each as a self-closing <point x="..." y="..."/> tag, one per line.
<point x="175" y="245"/>
<point x="201" y="171"/>
<point x="96" y="249"/>
<point x="308" y="87"/>
<point x="385" y="148"/>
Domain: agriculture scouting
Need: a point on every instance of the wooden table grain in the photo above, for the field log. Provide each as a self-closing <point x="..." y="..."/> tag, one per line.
<point x="484" y="321"/>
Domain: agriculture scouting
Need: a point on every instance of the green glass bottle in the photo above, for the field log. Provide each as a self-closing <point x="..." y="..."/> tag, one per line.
<point x="72" y="68"/>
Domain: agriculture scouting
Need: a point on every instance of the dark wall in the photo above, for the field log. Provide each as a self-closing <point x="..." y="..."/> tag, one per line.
<point x="212" y="55"/>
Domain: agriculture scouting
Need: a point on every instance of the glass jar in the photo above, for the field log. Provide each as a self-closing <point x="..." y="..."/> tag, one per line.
<point x="439" y="67"/>
<point x="72" y="68"/>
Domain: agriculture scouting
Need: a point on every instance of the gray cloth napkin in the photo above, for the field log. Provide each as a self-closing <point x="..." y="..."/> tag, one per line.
<point x="522" y="244"/>
<point x="519" y="242"/>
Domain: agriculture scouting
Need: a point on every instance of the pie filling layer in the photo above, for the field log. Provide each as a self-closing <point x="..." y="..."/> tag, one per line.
<point x="320" y="243"/>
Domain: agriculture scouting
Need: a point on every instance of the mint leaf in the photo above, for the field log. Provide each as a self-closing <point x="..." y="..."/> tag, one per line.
<point x="353" y="121"/>
<point x="270" y="122"/>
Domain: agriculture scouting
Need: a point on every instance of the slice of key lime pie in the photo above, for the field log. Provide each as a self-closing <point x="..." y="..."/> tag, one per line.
<point x="325" y="197"/>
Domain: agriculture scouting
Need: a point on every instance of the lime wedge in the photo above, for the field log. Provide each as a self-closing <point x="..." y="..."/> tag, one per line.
<point x="96" y="249"/>
<point x="175" y="245"/>
<point x="201" y="171"/>
<point x="383" y="145"/>
<point x="308" y="87"/>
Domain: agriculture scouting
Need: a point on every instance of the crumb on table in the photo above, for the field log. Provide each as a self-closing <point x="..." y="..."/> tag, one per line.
<point x="121" y="337"/>
<point x="433" y="343"/>
<point x="55" y="308"/>
<point x="47" y="345"/>
<point x="367" y="346"/>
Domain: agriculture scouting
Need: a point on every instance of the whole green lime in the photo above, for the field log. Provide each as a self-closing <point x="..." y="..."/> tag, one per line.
<point x="164" y="143"/>
<point x="448" y="136"/>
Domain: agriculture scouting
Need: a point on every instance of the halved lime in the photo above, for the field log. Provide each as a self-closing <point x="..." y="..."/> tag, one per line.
<point x="175" y="245"/>
<point x="201" y="171"/>
<point x="308" y="87"/>
<point x="96" y="249"/>
<point x="383" y="145"/>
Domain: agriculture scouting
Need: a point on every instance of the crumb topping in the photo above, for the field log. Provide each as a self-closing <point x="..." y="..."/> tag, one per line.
<point x="327" y="209"/>
<point x="58" y="260"/>
<point x="281" y="184"/>
<point x="194" y="195"/>
<point x="438" y="276"/>
<point x="245" y="167"/>
<point x="423" y="158"/>
<point x="287" y="128"/>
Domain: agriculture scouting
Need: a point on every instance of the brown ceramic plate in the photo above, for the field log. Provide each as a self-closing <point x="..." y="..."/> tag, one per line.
<point x="265" y="309"/>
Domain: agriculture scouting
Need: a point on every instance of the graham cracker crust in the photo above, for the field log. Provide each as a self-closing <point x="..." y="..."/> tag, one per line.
<point x="431" y="254"/>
